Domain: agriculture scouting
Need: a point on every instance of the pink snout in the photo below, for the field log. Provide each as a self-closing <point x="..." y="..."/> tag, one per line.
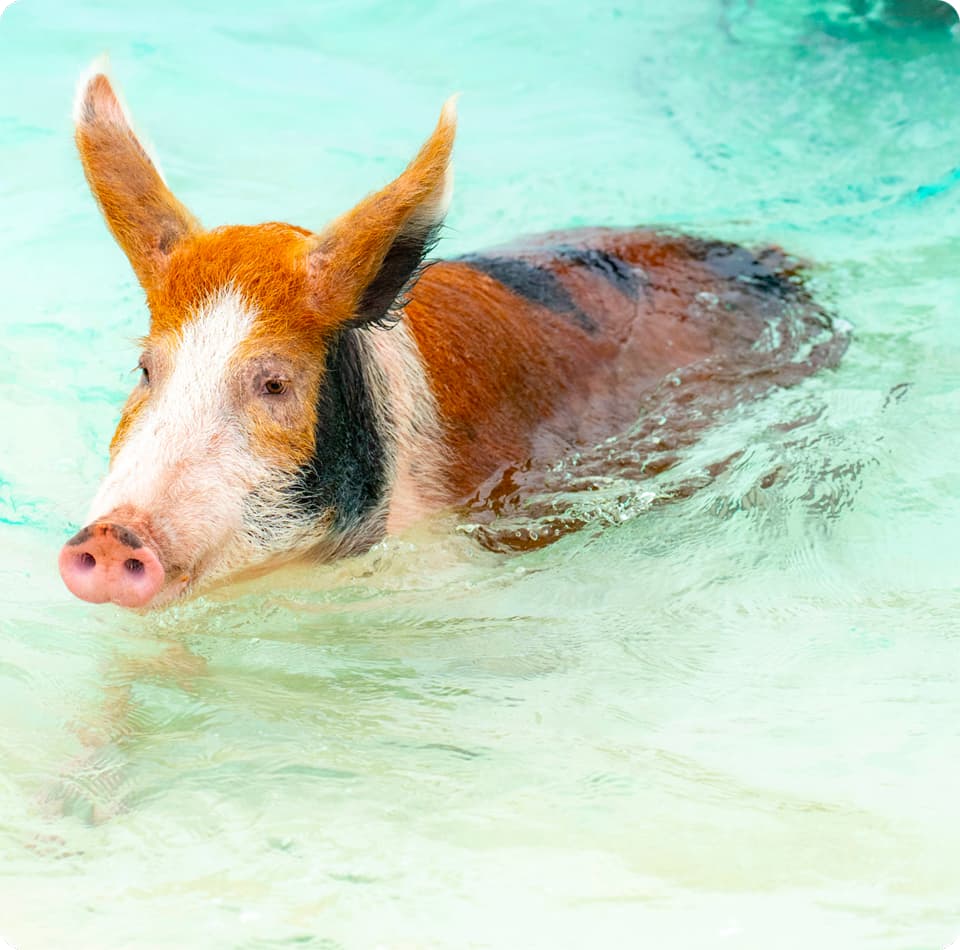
<point x="107" y="562"/>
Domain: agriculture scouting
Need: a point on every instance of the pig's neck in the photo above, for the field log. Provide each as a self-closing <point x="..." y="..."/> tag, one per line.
<point x="411" y="430"/>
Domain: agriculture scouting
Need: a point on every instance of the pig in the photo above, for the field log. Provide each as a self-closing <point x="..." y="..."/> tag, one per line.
<point x="302" y="394"/>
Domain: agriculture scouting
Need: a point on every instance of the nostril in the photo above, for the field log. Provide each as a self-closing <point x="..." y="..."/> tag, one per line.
<point x="133" y="565"/>
<point x="86" y="560"/>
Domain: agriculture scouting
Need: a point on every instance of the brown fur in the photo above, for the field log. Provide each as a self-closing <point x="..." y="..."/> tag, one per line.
<point x="515" y="380"/>
<point x="141" y="212"/>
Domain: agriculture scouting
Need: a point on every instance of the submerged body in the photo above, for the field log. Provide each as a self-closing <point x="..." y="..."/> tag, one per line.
<point x="549" y="344"/>
<point x="304" y="394"/>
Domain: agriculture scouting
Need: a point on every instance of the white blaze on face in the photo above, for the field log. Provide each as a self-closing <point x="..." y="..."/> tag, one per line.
<point x="186" y="464"/>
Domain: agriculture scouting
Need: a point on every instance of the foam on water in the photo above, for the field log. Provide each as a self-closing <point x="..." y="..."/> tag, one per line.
<point x="724" y="720"/>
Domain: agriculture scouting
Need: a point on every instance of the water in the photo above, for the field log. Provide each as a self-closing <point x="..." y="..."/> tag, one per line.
<point x="730" y="720"/>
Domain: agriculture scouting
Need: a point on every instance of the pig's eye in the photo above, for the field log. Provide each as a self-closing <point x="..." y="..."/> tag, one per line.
<point x="274" y="387"/>
<point x="144" y="373"/>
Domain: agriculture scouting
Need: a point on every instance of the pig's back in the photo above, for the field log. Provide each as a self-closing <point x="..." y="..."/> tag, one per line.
<point x="551" y="342"/>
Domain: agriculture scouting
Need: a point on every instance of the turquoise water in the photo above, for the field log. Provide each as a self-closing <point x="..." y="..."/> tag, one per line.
<point x="730" y="720"/>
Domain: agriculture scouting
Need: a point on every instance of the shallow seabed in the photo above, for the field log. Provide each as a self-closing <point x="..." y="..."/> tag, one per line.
<point x="731" y="720"/>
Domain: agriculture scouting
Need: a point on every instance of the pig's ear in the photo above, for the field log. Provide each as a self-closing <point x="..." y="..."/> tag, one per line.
<point x="144" y="217"/>
<point x="366" y="259"/>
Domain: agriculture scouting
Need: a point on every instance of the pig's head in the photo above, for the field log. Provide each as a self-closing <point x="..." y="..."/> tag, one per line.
<point x="258" y="430"/>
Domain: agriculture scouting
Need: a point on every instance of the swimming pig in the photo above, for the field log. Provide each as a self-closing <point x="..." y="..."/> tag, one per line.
<point x="302" y="393"/>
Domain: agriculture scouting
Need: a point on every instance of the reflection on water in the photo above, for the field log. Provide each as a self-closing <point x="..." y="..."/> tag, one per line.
<point x="721" y="713"/>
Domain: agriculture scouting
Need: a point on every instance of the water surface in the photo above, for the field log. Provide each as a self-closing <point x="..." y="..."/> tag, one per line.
<point x="730" y="720"/>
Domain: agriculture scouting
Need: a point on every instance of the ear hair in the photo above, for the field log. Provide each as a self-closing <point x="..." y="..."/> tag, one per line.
<point x="387" y="294"/>
<point x="364" y="264"/>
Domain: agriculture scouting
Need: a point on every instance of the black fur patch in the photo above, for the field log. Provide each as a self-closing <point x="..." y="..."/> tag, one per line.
<point x="348" y="471"/>
<point x="627" y="279"/>
<point x="386" y="294"/>
<point x="534" y="283"/>
<point x="734" y="262"/>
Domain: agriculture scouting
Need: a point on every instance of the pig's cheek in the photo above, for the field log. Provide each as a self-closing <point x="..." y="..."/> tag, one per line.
<point x="237" y="554"/>
<point x="281" y="433"/>
<point x="219" y="497"/>
<point x="200" y="507"/>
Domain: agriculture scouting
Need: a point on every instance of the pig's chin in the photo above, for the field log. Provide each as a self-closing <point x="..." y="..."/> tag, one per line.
<point x="169" y="594"/>
<point x="213" y="577"/>
<point x="181" y="586"/>
<point x="185" y="581"/>
<point x="239" y="555"/>
<point x="182" y="589"/>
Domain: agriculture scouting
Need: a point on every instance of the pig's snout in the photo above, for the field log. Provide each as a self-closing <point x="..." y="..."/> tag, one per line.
<point x="108" y="562"/>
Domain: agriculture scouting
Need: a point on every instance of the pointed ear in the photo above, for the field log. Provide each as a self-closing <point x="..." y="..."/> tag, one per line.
<point x="365" y="260"/>
<point x="144" y="217"/>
